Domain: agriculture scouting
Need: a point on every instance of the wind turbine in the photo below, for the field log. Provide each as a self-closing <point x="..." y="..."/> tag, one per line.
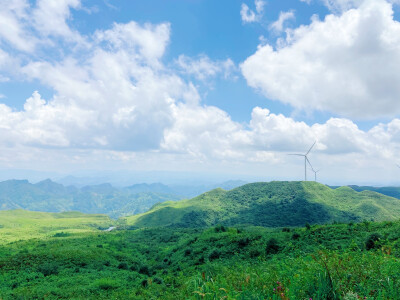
<point x="305" y="160"/>
<point x="315" y="171"/>
<point x="315" y="174"/>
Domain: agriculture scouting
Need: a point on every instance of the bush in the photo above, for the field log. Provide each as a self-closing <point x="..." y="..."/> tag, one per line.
<point x="254" y="253"/>
<point x="158" y="280"/>
<point x="123" y="266"/>
<point x="144" y="283"/>
<point x="61" y="234"/>
<point x="106" y="284"/>
<point x="188" y="252"/>
<point x="220" y="228"/>
<point x="144" y="270"/>
<point x="48" y="269"/>
<point x="272" y="247"/>
<point x="285" y="229"/>
<point x="295" y="236"/>
<point x="371" y="242"/>
<point x="215" y="254"/>
<point x="308" y="226"/>
<point x="107" y="263"/>
<point x="243" y="242"/>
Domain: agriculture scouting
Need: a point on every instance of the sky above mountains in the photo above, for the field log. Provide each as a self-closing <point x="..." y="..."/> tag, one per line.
<point x="227" y="87"/>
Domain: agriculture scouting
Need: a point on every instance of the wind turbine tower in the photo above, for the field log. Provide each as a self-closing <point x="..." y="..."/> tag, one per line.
<point x="315" y="174"/>
<point x="305" y="160"/>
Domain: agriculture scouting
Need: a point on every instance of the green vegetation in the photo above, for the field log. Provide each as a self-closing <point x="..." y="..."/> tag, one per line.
<point x="211" y="248"/>
<point x="21" y="224"/>
<point x="391" y="191"/>
<point x="338" y="261"/>
<point x="273" y="204"/>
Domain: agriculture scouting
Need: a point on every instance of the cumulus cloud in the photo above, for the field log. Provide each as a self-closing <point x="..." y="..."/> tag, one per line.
<point x="278" y="25"/>
<point x="339" y="6"/>
<point x="267" y="133"/>
<point x="50" y="18"/>
<point x="248" y="15"/>
<point x="13" y="31"/>
<point x="116" y="101"/>
<point x="114" y="94"/>
<point x="149" y="40"/>
<point x="203" y="67"/>
<point x="347" y="64"/>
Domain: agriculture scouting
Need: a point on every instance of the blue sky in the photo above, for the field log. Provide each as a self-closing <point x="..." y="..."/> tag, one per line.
<point x="229" y="87"/>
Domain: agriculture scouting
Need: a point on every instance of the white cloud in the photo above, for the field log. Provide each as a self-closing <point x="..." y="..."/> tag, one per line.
<point x="150" y="41"/>
<point x="248" y="15"/>
<point x="114" y="94"/>
<point x="347" y="64"/>
<point x="339" y="6"/>
<point x="115" y="103"/>
<point x="278" y="25"/>
<point x="50" y="18"/>
<point x="13" y="16"/>
<point x="203" y="67"/>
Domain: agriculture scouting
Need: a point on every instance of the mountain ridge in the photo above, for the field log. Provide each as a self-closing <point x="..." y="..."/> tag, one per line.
<point x="272" y="204"/>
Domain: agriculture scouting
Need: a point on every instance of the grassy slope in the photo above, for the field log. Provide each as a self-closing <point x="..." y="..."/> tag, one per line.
<point x="272" y="204"/>
<point x="212" y="263"/>
<point x="21" y="224"/>
<point x="367" y="205"/>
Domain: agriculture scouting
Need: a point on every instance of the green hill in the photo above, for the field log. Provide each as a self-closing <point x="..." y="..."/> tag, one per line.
<point x="273" y="204"/>
<point x="391" y="191"/>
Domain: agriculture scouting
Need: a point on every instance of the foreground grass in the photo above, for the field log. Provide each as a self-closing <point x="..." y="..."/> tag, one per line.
<point x="341" y="261"/>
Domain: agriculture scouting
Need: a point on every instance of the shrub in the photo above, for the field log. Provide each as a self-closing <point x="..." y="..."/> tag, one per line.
<point x="144" y="270"/>
<point x="215" y="254"/>
<point x="372" y="240"/>
<point x="295" y="236"/>
<point x="188" y="252"/>
<point x="158" y="280"/>
<point x="285" y="229"/>
<point x="61" y="234"/>
<point x="308" y="226"/>
<point x="134" y="268"/>
<point x="106" y="284"/>
<point x="272" y="246"/>
<point x="144" y="283"/>
<point x="123" y="266"/>
<point x="254" y="253"/>
<point x="243" y="242"/>
<point x="220" y="228"/>
<point x="48" y="269"/>
<point x="107" y="263"/>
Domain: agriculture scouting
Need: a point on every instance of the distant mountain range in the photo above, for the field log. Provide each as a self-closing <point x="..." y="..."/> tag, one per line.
<point x="49" y="196"/>
<point x="272" y="204"/>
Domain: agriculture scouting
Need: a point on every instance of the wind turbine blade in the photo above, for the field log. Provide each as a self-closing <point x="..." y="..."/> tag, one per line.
<point x="309" y="163"/>
<point x="311" y="148"/>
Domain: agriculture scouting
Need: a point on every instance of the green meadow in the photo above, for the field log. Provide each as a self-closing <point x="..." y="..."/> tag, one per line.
<point x="18" y="225"/>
